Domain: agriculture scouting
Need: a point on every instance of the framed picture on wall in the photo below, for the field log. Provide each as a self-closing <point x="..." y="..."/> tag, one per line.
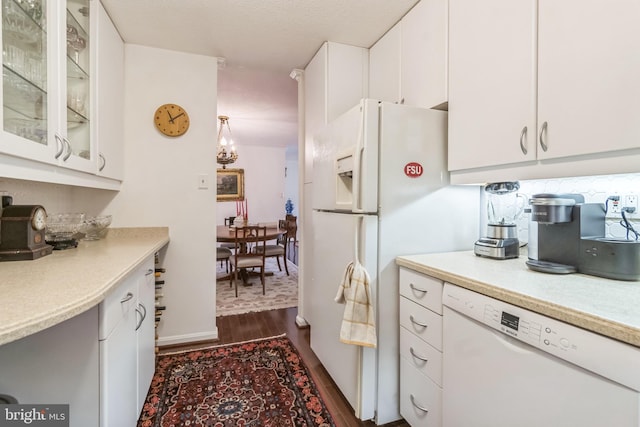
<point x="230" y="184"/>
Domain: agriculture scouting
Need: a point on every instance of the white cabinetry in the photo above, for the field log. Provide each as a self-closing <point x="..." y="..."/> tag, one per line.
<point x="145" y="332"/>
<point x="334" y="81"/>
<point x="49" y="90"/>
<point x="534" y="80"/>
<point x="110" y="92"/>
<point x="126" y="348"/>
<point x="57" y="366"/>
<point x="420" y="349"/>
<point x="409" y="63"/>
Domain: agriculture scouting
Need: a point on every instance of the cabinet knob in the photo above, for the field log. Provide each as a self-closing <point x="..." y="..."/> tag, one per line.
<point x="60" y="144"/>
<point x="415" y="322"/>
<point x="67" y="144"/>
<point x="543" y="132"/>
<point x="420" y="407"/>
<point x="523" y="146"/>
<point x="413" y="287"/>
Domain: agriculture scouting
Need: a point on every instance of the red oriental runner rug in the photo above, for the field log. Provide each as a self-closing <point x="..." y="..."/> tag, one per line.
<point x="255" y="383"/>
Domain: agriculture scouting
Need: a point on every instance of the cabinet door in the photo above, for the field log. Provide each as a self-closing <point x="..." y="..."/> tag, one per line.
<point x="118" y="366"/>
<point x="492" y="82"/>
<point x="384" y="67"/>
<point x="589" y="76"/>
<point x="315" y="107"/>
<point x="74" y="128"/>
<point x="347" y="77"/>
<point x="26" y="87"/>
<point x="145" y="329"/>
<point x="424" y="54"/>
<point x="110" y="92"/>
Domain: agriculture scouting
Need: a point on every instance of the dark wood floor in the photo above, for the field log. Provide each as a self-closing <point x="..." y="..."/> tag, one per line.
<point x="264" y="324"/>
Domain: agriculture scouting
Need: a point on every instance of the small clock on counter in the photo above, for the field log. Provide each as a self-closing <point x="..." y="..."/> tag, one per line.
<point x="22" y="232"/>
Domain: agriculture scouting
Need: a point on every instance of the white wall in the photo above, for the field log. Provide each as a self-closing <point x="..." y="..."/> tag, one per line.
<point x="160" y="187"/>
<point x="264" y="183"/>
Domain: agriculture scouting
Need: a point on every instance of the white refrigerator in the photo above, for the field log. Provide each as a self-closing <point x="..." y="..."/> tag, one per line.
<point x="380" y="189"/>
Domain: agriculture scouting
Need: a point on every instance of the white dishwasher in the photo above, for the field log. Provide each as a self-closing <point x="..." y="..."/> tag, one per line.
<point x="507" y="366"/>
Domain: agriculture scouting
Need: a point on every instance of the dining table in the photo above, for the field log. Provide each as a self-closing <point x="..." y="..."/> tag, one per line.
<point x="227" y="234"/>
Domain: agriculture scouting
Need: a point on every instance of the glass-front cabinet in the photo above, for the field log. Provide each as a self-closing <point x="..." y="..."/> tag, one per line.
<point x="46" y="82"/>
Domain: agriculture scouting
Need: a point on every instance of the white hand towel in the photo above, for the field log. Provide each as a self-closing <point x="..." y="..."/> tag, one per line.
<point x="358" y="322"/>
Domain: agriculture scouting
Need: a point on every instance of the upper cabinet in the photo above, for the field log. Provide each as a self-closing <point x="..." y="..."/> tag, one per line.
<point x="110" y="91"/>
<point x="408" y="65"/>
<point x="50" y="110"/>
<point x="534" y="80"/>
<point x="334" y="81"/>
<point x="46" y="82"/>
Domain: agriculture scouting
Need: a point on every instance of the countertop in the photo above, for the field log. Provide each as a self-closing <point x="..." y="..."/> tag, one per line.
<point x="41" y="293"/>
<point x="607" y="307"/>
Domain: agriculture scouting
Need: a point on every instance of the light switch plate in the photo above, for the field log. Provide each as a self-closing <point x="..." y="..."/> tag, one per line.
<point x="203" y="181"/>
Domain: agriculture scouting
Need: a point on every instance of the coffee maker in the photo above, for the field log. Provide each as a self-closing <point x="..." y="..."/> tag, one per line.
<point x="504" y="206"/>
<point x="568" y="235"/>
<point x="558" y="223"/>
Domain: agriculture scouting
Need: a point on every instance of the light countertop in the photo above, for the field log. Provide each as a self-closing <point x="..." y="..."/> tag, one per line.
<point x="41" y="293"/>
<point x="608" y="307"/>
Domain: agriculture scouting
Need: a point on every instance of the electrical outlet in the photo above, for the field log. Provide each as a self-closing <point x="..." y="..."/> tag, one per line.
<point x="614" y="207"/>
<point x="631" y="201"/>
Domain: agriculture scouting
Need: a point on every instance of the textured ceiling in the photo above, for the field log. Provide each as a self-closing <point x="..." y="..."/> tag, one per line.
<point x="262" y="41"/>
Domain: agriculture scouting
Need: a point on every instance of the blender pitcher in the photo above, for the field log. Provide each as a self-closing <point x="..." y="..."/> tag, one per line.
<point x="504" y="206"/>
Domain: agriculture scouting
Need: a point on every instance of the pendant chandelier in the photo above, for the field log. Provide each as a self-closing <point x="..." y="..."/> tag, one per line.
<point x="226" y="148"/>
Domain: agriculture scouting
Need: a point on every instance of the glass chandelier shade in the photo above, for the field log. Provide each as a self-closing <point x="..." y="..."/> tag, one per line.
<point x="226" y="148"/>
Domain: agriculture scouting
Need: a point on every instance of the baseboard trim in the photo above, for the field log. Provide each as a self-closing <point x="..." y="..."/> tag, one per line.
<point x="188" y="338"/>
<point x="301" y="322"/>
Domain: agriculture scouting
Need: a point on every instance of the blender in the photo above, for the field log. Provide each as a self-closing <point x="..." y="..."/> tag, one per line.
<point x="504" y="206"/>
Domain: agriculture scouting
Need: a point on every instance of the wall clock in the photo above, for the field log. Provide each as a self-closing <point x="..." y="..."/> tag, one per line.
<point x="171" y="119"/>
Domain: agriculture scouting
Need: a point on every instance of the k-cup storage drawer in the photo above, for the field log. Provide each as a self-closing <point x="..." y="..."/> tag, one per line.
<point x="420" y="398"/>
<point x="422" y="322"/>
<point x="421" y="355"/>
<point x="421" y="289"/>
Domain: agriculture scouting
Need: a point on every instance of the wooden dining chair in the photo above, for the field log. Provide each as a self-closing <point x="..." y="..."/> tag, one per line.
<point x="279" y="249"/>
<point x="228" y="221"/>
<point x="249" y="244"/>
<point x="222" y="255"/>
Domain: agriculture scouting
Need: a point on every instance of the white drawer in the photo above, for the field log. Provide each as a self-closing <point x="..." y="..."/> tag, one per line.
<point x="424" y="357"/>
<point x="117" y="304"/>
<point x="422" y="322"/>
<point x="420" y="398"/>
<point x="422" y="289"/>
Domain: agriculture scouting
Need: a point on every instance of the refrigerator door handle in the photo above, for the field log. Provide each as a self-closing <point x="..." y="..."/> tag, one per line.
<point x="356" y="238"/>
<point x="357" y="165"/>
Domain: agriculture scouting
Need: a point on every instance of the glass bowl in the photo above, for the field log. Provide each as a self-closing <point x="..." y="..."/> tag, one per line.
<point x="95" y="228"/>
<point x="63" y="226"/>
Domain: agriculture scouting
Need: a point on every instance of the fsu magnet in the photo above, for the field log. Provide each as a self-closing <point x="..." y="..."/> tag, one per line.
<point x="413" y="169"/>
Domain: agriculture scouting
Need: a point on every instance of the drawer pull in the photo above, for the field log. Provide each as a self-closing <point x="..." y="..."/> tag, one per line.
<point x="126" y="298"/>
<point x="413" y="402"/>
<point x="424" y="291"/>
<point x="149" y="272"/>
<point x="424" y="359"/>
<point x="415" y="322"/>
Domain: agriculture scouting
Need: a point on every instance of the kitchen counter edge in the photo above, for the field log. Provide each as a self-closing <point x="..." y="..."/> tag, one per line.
<point x="42" y="293"/>
<point x="433" y="265"/>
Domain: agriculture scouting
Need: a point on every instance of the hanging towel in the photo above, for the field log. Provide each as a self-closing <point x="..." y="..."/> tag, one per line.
<point x="358" y="322"/>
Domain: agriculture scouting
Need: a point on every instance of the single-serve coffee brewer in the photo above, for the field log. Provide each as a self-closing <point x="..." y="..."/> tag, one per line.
<point x="504" y="207"/>
<point x="567" y="235"/>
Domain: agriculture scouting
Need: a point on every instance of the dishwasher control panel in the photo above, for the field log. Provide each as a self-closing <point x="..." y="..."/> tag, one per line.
<point x="604" y="356"/>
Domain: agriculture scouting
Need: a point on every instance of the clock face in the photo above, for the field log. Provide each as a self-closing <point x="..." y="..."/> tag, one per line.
<point x="39" y="220"/>
<point x="171" y="120"/>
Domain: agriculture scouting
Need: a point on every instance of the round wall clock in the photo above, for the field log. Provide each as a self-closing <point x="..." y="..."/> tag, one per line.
<point x="171" y="119"/>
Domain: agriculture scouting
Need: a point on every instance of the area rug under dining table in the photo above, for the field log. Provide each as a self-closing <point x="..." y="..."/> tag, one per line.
<point x="254" y="383"/>
<point x="281" y="291"/>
